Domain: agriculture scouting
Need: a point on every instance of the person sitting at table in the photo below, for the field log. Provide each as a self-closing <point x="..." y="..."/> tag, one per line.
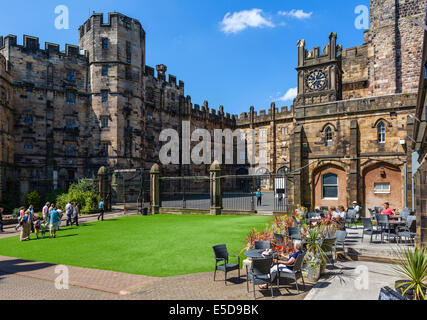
<point x="285" y="266"/>
<point x="387" y="210"/>
<point x="332" y="212"/>
<point x="339" y="214"/>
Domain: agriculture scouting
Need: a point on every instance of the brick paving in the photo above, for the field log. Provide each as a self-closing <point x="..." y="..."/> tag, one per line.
<point x="22" y="279"/>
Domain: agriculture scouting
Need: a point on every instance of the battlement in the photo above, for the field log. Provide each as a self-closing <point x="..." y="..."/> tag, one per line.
<point x="114" y="20"/>
<point x="204" y="112"/>
<point x="31" y="45"/>
<point x="161" y="76"/>
<point x="265" y="115"/>
<point x="330" y="52"/>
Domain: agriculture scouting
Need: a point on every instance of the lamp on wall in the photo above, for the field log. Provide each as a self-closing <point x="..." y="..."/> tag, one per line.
<point x="382" y="172"/>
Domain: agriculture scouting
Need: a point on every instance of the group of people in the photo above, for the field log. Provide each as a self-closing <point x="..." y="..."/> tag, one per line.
<point x="51" y="218"/>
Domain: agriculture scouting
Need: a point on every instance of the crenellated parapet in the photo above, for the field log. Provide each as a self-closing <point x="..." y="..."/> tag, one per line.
<point x="272" y="114"/>
<point x="31" y="45"/>
<point x="115" y="19"/>
<point x="203" y="112"/>
<point x="159" y="75"/>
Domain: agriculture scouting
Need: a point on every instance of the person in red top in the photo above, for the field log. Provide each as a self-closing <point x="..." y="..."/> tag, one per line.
<point x="387" y="210"/>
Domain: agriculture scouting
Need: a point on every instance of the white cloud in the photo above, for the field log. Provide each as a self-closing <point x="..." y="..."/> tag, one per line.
<point x="298" y="14"/>
<point x="241" y="20"/>
<point x="290" y="95"/>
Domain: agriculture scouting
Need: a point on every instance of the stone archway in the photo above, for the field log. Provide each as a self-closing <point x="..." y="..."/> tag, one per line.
<point x="329" y="186"/>
<point x="382" y="182"/>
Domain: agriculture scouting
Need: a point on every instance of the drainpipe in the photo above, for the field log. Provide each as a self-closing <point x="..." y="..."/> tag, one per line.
<point x="405" y="168"/>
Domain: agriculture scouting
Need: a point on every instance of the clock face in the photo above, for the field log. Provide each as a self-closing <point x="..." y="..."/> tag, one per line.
<point x="316" y="80"/>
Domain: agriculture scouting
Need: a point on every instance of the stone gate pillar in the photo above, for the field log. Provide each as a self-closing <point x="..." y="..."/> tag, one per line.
<point x="155" y="189"/>
<point x="215" y="188"/>
<point x="104" y="188"/>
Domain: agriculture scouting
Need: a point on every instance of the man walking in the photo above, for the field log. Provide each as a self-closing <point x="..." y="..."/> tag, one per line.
<point x="55" y="221"/>
<point x="75" y="214"/>
<point x="69" y="212"/>
<point x="101" y="210"/>
<point x="45" y="212"/>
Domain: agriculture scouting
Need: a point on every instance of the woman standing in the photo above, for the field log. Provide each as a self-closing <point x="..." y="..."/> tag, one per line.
<point x="25" y="227"/>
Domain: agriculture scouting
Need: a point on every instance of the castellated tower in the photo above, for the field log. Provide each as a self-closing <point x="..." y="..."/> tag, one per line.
<point x="116" y="54"/>
<point x="395" y="52"/>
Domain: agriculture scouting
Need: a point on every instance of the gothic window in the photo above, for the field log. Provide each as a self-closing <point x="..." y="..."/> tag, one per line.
<point x="104" y="123"/>
<point x="330" y="186"/>
<point x="28" y="146"/>
<point x="70" y="123"/>
<point x="71" y="76"/>
<point x="104" y="149"/>
<point x="71" y="98"/>
<point x="28" y="119"/>
<point x="70" y="150"/>
<point x="104" y="96"/>
<point x="105" y="70"/>
<point x="104" y="43"/>
<point x="381" y="132"/>
<point x="328" y="136"/>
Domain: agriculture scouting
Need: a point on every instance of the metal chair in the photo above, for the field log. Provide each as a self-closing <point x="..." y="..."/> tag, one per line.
<point x="384" y="224"/>
<point x="340" y="240"/>
<point x="295" y="272"/>
<point x="405" y="213"/>
<point x="350" y="217"/>
<point x="369" y="229"/>
<point x="221" y="254"/>
<point x="260" y="274"/>
<point x="378" y="209"/>
<point x="408" y="231"/>
<point x="262" y="245"/>
<point x="294" y="233"/>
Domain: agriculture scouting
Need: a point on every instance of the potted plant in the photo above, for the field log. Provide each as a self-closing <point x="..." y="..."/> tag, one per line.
<point x="315" y="257"/>
<point x="412" y="266"/>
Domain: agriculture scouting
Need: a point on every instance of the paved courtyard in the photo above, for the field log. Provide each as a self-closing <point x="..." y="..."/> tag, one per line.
<point x="21" y="279"/>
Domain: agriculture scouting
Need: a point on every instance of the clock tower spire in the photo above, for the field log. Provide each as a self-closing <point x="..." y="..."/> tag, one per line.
<point x="319" y="74"/>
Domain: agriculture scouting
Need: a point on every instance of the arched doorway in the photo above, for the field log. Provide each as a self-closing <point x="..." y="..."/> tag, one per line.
<point x="329" y="187"/>
<point x="382" y="183"/>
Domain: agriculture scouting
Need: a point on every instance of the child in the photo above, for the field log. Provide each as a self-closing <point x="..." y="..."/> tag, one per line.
<point x="37" y="226"/>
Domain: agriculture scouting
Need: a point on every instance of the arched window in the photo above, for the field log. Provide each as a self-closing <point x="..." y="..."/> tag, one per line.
<point x="330" y="186"/>
<point x="381" y="132"/>
<point x="328" y="134"/>
<point x="283" y="170"/>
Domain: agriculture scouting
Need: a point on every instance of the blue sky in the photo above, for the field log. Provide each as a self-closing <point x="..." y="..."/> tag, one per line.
<point x="236" y="53"/>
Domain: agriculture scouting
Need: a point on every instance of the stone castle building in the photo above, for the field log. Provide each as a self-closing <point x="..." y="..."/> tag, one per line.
<point x="345" y="137"/>
<point x="66" y="114"/>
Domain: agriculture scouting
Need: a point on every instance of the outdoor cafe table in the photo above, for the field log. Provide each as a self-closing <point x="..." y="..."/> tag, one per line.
<point x="257" y="254"/>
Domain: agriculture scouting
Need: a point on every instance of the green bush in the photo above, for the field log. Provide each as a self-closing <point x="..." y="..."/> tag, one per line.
<point x="81" y="193"/>
<point x="33" y="198"/>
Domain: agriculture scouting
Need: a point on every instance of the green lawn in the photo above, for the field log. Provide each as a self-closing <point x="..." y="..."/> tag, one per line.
<point x="160" y="245"/>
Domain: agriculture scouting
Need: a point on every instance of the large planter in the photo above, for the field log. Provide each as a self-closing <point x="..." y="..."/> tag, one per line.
<point x="410" y="293"/>
<point x="313" y="272"/>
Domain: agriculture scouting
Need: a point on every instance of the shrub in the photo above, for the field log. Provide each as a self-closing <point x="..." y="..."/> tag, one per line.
<point x="51" y="196"/>
<point x="33" y="198"/>
<point x="81" y="193"/>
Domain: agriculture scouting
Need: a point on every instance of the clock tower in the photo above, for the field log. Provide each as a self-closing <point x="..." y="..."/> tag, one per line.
<point x="319" y="74"/>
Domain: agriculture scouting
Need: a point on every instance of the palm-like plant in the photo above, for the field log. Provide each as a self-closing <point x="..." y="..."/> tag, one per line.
<point x="315" y="254"/>
<point x="413" y="266"/>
